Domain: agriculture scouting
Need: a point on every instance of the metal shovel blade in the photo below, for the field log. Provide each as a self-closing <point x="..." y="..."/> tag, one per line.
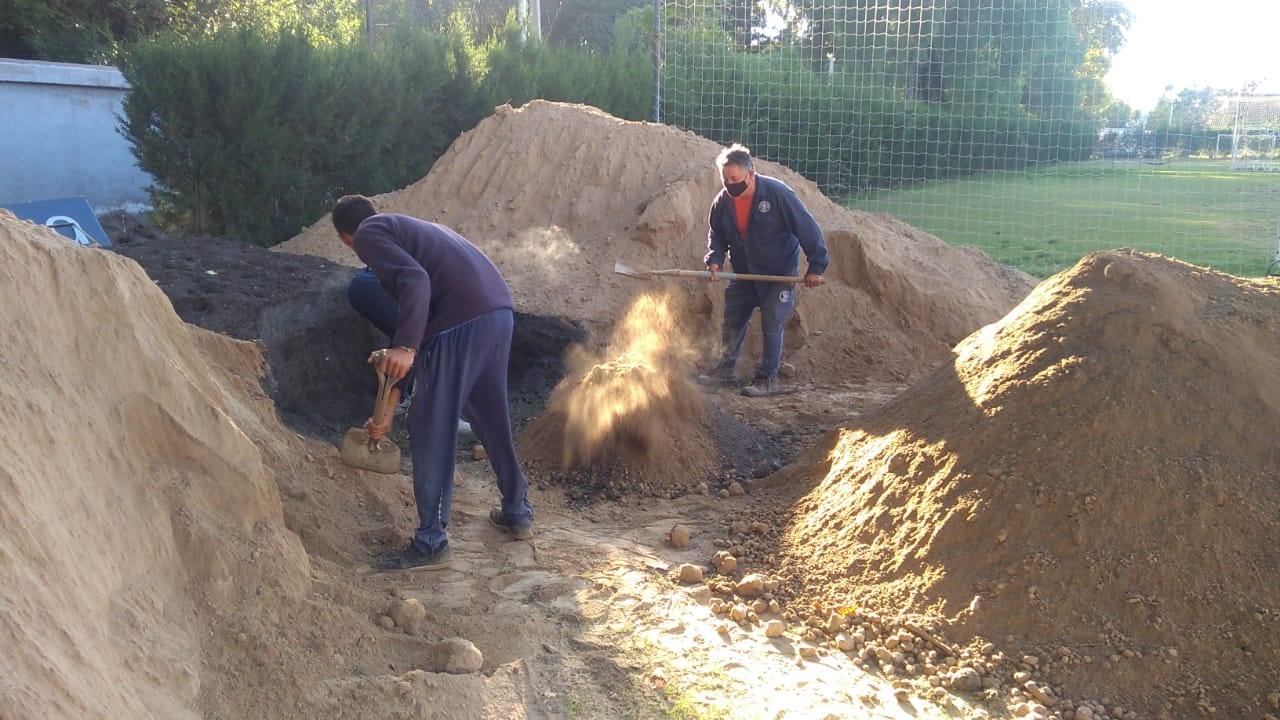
<point x="382" y="456"/>
<point x="631" y="272"/>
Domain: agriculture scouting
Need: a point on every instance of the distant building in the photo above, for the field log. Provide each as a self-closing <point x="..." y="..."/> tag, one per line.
<point x="60" y="138"/>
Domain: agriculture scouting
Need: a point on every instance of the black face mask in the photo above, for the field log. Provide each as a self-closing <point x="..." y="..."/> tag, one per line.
<point x="736" y="189"/>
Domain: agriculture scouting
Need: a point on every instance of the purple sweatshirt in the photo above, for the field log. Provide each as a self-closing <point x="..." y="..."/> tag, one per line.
<point x="438" y="279"/>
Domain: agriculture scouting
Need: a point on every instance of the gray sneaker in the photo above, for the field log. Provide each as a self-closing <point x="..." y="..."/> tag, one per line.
<point x="411" y="558"/>
<point x="520" y="530"/>
<point x="720" y="378"/>
<point x="763" y="387"/>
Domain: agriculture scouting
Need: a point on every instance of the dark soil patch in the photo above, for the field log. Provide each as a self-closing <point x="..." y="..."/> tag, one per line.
<point x="316" y="345"/>
<point x="746" y="452"/>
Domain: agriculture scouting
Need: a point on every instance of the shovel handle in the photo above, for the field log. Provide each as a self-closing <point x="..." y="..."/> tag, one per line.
<point x="758" y="278"/>
<point x="650" y="274"/>
<point x="733" y="276"/>
<point x="381" y="404"/>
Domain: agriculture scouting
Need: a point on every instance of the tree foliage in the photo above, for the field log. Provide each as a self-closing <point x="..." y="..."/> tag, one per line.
<point x="84" y="31"/>
<point x="587" y="24"/>
<point x="252" y="132"/>
<point x="93" y="31"/>
<point x="616" y="80"/>
<point x="481" y="18"/>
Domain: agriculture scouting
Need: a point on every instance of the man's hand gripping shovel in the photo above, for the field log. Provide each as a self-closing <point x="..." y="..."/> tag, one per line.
<point x="368" y="447"/>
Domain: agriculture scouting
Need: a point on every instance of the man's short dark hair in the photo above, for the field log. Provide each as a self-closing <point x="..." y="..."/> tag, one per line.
<point x="351" y="210"/>
<point x="735" y="154"/>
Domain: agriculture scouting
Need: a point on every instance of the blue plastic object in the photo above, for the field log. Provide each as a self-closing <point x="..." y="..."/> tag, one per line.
<point x="72" y="217"/>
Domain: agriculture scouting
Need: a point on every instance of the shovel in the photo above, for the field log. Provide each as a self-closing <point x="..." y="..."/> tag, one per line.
<point x="381" y="455"/>
<point x="651" y="274"/>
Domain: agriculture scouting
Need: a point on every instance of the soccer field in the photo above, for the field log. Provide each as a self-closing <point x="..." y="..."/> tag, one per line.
<point x="1043" y="221"/>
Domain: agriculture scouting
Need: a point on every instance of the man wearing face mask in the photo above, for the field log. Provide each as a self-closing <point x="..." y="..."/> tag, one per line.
<point x="760" y="226"/>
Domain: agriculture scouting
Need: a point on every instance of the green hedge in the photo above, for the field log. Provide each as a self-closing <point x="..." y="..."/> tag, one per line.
<point x="854" y="135"/>
<point x="253" y="135"/>
<point x="617" y="81"/>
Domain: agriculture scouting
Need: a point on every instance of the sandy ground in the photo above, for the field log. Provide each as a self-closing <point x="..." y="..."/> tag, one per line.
<point x="231" y="555"/>
<point x="976" y="499"/>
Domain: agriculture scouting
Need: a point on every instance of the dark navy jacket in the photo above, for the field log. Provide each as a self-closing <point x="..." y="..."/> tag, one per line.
<point x="438" y="278"/>
<point x="779" y="227"/>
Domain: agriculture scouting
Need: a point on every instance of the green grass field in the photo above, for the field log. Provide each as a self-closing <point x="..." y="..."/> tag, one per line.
<point x="1045" y="220"/>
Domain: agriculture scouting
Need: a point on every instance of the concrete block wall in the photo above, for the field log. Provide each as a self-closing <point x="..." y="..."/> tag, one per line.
<point x="58" y="136"/>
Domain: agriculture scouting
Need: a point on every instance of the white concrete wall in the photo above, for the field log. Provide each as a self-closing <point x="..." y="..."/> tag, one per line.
<point x="58" y="136"/>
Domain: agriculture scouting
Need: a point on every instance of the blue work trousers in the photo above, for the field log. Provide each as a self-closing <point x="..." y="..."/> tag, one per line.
<point x="463" y="371"/>
<point x="741" y="298"/>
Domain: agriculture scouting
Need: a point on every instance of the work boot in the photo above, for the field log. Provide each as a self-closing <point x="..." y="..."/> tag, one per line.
<point x="721" y="377"/>
<point x="411" y="558"/>
<point x="520" y="530"/>
<point x="763" y="387"/>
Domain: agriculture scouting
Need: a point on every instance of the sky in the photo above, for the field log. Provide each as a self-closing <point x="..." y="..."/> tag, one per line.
<point x="1196" y="44"/>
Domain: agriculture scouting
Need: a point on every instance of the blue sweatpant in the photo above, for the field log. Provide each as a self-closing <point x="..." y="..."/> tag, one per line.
<point x="366" y="296"/>
<point x="463" y="371"/>
<point x="741" y="298"/>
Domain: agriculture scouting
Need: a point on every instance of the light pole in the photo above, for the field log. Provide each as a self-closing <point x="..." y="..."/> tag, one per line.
<point x="1169" y="123"/>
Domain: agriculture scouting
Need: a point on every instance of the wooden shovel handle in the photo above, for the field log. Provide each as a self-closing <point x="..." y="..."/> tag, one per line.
<point x="735" y="276"/>
<point x="382" y="403"/>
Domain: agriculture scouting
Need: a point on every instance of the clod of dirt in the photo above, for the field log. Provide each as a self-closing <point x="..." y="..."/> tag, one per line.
<point x="407" y="615"/>
<point x="689" y="574"/>
<point x="457" y="656"/>
<point x="724" y="563"/>
<point x="751" y="585"/>
<point x="679" y="537"/>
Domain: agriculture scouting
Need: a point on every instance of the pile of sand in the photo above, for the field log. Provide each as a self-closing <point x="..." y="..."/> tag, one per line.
<point x="1093" y="476"/>
<point x="137" y="515"/>
<point x="147" y="566"/>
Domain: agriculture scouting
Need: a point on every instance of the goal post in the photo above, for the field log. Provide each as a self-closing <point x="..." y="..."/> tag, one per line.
<point x="1255" y="150"/>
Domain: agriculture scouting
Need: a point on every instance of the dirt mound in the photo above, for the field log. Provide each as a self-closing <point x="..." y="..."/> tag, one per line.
<point x="557" y="193"/>
<point x="170" y="549"/>
<point x="1091" y="481"/>
<point x="138" y="516"/>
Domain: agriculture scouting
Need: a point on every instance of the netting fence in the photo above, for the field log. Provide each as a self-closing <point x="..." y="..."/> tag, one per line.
<point x="985" y="123"/>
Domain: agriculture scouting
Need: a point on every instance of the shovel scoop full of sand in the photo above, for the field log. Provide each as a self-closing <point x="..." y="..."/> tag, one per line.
<point x="379" y="455"/>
